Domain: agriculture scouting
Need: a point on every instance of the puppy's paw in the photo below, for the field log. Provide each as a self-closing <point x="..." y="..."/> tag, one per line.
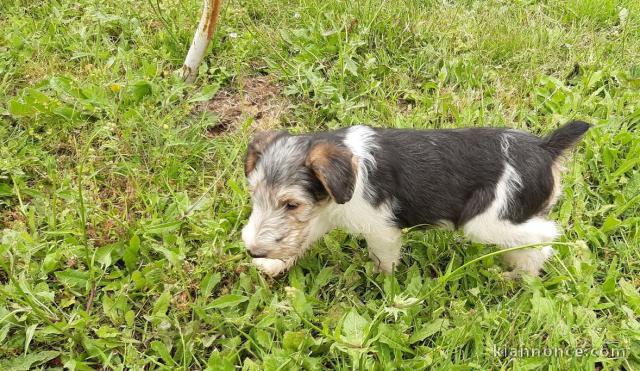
<point x="382" y="266"/>
<point x="270" y="267"/>
<point x="547" y="252"/>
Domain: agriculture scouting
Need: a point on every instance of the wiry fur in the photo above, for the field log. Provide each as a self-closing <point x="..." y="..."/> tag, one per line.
<point x="495" y="184"/>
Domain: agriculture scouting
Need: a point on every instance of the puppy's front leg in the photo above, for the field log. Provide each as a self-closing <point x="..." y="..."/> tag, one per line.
<point x="384" y="248"/>
<point x="272" y="267"/>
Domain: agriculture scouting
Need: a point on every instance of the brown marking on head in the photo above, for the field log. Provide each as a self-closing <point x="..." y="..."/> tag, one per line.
<point x="557" y="168"/>
<point x="334" y="166"/>
<point x="258" y="144"/>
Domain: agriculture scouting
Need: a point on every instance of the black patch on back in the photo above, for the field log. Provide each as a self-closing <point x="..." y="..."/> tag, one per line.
<point x="533" y="164"/>
<point x="434" y="175"/>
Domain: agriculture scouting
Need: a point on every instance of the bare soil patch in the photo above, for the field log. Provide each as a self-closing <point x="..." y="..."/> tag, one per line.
<point x="259" y="98"/>
<point x="10" y="218"/>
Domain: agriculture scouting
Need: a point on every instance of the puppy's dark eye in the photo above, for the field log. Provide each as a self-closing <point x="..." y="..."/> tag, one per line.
<point x="291" y="205"/>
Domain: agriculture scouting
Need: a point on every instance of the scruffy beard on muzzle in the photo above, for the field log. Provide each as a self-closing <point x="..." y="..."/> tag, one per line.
<point x="292" y="246"/>
<point x="285" y="256"/>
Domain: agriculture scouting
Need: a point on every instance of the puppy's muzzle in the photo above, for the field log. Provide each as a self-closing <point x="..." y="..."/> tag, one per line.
<point x="254" y="250"/>
<point x="251" y="244"/>
<point x="257" y="254"/>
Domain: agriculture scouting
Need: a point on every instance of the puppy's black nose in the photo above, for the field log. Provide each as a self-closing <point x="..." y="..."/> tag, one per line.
<point x="254" y="255"/>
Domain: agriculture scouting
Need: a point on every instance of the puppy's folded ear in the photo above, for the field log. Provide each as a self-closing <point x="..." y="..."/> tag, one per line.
<point x="334" y="166"/>
<point x="258" y="144"/>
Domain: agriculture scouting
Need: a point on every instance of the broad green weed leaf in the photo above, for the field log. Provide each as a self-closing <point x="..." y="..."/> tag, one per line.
<point x="610" y="224"/>
<point x="542" y="308"/>
<point x="217" y="362"/>
<point x="140" y="89"/>
<point x="267" y="321"/>
<point x="4" y="331"/>
<point x="77" y="365"/>
<point x="354" y="328"/>
<point x="131" y="253"/>
<point x="631" y="294"/>
<point x="351" y="66"/>
<point x="103" y="255"/>
<point x="130" y="318"/>
<point x="235" y="187"/>
<point x="429" y="329"/>
<point x="595" y="78"/>
<point x="207" y="92"/>
<point x="393" y="338"/>
<point x="171" y="256"/>
<point x="418" y="363"/>
<point x="264" y="338"/>
<point x="162" y="304"/>
<point x="27" y="362"/>
<point x="65" y="86"/>
<point x="51" y="261"/>
<point x="107" y="332"/>
<point x="628" y="164"/>
<point x="161" y="349"/>
<point x="321" y="279"/>
<point x="67" y="112"/>
<point x="294" y="341"/>
<point x="28" y="336"/>
<point x="226" y="301"/>
<point x="209" y="283"/>
<point x="73" y="277"/>
<point x="609" y="284"/>
<point x="19" y="109"/>
<point x="161" y="228"/>
<point x="138" y="280"/>
<point x="532" y="363"/>
<point x="6" y="190"/>
<point x="36" y="96"/>
<point x="415" y="281"/>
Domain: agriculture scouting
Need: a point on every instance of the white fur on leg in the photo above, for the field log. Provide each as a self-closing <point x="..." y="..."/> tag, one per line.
<point x="506" y="235"/>
<point x="359" y="216"/>
<point x="527" y="261"/>
<point x="384" y="248"/>
<point x="272" y="267"/>
<point x="489" y="227"/>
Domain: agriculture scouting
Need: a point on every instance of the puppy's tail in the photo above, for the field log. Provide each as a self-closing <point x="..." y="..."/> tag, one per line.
<point x="565" y="137"/>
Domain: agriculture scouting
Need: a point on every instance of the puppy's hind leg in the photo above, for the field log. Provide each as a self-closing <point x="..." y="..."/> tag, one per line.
<point x="507" y="234"/>
<point x="527" y="261"/>
<point x="384" y="248"/>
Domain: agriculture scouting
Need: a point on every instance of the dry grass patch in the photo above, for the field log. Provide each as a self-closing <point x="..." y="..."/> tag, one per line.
<point x="259" y="99"/>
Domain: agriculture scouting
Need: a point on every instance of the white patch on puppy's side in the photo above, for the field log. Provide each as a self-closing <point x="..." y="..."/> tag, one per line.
<point x="489" y="227"/>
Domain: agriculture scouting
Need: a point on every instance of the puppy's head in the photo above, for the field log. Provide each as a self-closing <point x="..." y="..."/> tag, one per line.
<point x="291" y="180"/>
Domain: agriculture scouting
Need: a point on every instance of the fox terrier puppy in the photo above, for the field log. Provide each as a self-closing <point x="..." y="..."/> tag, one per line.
<point x="497" y="185"/>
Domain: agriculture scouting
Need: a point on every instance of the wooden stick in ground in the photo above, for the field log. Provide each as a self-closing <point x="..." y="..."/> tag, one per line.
<point x="204" y="32"/>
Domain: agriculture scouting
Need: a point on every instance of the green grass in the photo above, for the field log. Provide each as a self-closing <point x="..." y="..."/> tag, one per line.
<point x="120" y="212"/>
